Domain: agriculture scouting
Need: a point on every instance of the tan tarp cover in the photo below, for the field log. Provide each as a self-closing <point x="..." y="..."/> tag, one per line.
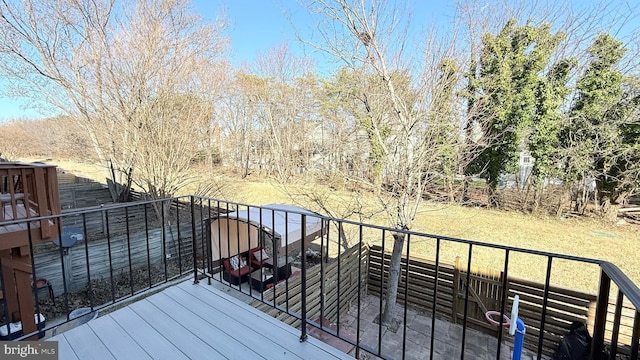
<point x="238" y="232"/>
<point x="243" y="237"/>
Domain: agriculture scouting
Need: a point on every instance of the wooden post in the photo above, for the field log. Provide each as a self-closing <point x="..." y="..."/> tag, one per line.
<point x="41" y="199"/>
<point x="25" y="298"/>
<point x="591" y="315"/>
<point x="66" y="258"/>
<point x="9" y="281"/>
<point x="600" y="320"/>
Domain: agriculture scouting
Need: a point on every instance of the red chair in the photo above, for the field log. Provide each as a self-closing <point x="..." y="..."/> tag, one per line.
<point x="257" y="258"/>
<point x="235" y="276"/>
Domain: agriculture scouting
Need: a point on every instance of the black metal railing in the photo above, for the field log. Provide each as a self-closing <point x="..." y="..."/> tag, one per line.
<point x="128" y="249"/>
<point x="103" y="256"/>
<point x="612" y="275"/>
<point x="303" y="301"/>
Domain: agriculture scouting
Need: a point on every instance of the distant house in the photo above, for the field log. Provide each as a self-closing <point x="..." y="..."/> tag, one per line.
<point x="520" y="179"/>
<point x="525" y="167"/>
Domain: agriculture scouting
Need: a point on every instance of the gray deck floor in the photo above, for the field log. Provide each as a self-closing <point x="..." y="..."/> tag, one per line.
<point x="447" y="336"/>
<point x="189" y="321"/>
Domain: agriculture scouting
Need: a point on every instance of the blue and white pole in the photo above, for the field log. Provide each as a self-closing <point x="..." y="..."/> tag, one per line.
<point x="516" y="329"/>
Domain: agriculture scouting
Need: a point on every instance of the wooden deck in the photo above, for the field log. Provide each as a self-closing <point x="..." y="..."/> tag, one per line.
<point x="189" y="321"/>
<point x="8" y="215"/>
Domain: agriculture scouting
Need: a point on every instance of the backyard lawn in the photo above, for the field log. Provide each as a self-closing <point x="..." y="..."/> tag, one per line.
<point x="581" y="237"/>
<point x="589" y="238"/>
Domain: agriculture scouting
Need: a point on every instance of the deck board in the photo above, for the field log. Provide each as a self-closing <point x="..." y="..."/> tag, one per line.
<point x="181" y="337"/>
<point x="189" y="321"/>
<point x="64" y="347"/>
<point x="237" y="331"/>
<point x="146" y="336"/>
<point x="209" y="333"/>
<point x="86" y="344"/>
<point x="116" y="339"/>
<point x="287" y="335"/>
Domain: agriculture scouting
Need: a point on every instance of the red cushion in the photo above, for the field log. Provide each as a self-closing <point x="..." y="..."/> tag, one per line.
<point x="226" y="264"/>
<point x="254" y="259"/>
<point x="255" y="250"/>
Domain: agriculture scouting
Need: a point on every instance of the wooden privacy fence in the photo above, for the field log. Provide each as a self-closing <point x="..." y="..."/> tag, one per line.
<point x="121" y="220"/>
<point x="77" y="195"/>
<point x="321" y="295"/>
<point x="128" y="231"/>
<point x="421" y="282"/>
<point x="485" y="291"/>
<point x="123" y="247"/>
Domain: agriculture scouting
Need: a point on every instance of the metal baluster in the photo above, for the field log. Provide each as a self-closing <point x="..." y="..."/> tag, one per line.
<point x="303" y="289"/>
<point x="545" y="301"/>
<point x="466" y="303"/>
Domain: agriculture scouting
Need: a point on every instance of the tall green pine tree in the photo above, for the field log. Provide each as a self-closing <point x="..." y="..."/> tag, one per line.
<point x="511" y="64"/>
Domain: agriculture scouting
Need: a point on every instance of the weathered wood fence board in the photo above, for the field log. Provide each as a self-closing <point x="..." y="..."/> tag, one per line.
<point x="421" y="281"/>
<point x="49" y="264"/>
<point x="563" y="307"/>
<point x="114" y="220"/>
<point x="350" y="284"/>
<point x="81" y="195"/>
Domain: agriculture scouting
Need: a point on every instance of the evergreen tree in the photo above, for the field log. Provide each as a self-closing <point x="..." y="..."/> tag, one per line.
<point x="511" y="64"/>
<point x="601" y="135"/>
<point x="444" y="122"/>
<point x="543" y="142"/>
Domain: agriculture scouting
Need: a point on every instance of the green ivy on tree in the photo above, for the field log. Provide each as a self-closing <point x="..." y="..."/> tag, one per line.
<point x="506" y="89"/>
<point x="601" y="131"/>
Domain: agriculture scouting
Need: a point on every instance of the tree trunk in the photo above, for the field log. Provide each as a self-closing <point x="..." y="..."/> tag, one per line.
<point x="538" y="194"/>
<point x="343" y="236"/>
<point x="609" y="210"/>
<point x="524" y="205"/>
<point x="464" y="197"/>
<point x="609" y="206"/>
<point x="450" y="189"/>
<point x="394" y="277"/>
<point x="565" y="195"/>
<point x="492" y="198"/>
<point x="582" y="198"/>
<point x="245" y="171"/>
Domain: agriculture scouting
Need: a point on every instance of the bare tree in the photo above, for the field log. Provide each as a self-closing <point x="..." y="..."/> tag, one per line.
<point x="281" y="94"/>
<point x="372" y="36"/>
<point x="175" y="128"/>
<point x="65" y="138"/>
<point x="105" y="63"/>
<point x="17" y="140"/>
<point x="237" y="115"/>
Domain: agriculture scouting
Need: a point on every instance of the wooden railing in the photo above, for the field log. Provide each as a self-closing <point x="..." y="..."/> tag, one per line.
<point x="28" y="191"/>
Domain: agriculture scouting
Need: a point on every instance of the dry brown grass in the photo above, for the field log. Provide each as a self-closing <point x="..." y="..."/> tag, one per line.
<point x="89" y="171"/>
<point x="580" y="237"/>
<point x="573" y="236"/>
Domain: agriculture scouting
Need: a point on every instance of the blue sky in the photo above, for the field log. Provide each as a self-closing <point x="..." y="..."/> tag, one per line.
<point x="258" y="25"/>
